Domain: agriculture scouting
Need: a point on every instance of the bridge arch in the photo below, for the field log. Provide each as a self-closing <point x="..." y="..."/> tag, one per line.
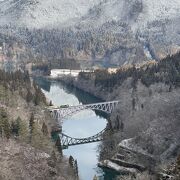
<point x="67" y="141"/>
<point x="61" y="113"/>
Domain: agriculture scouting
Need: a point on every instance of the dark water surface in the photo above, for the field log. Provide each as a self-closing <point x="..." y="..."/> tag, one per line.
<point x="81" y="125"/>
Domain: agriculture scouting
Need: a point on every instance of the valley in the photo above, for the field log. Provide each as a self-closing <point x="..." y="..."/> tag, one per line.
<point x="62" y="56"/>
<point x="145" y="123"/>
<point x="101" y="35"/>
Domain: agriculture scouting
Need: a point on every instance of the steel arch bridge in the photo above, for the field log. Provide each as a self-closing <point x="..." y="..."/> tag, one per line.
<point x="67" y="141"/>
<point x="61" y="113"/>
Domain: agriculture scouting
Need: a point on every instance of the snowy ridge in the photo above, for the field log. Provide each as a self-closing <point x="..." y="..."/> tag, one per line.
<point x="150" y="24"/>
<point x="137" y="13"/>
<point x="154" y="10"/>
<point x="40" y="13"/>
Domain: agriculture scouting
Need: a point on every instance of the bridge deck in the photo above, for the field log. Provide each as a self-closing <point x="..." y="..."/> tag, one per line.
<point x="60" y="113"/>
<point x="70" y="141"/>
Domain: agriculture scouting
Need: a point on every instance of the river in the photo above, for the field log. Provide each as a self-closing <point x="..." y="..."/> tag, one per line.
<point x="80" y="125"/>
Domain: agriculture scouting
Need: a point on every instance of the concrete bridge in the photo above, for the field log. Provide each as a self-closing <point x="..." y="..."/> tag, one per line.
<point x="60" y="113"/>
<point x="67" y="141"/>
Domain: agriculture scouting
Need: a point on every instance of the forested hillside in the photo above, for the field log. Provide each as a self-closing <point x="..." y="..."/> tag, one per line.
<point x="101" y="33"/>
<point x="26" y="149"/>
<point x="15" y="54"/>
<point x="146" y="121"/>
<point x="138" y="38"/>
<point x="89" y="48"/>
<point x="166" y="71"/>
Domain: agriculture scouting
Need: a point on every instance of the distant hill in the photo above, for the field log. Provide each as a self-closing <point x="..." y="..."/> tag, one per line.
<point x="96" y="33"/>
<point x="40" y="13"/>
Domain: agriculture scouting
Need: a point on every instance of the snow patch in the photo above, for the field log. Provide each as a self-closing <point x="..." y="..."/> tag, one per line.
<point x="114" y="166"/>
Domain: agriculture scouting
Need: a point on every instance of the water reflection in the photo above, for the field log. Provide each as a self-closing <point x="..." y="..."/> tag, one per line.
<point x="85" y="124"/>
<point x="43" y="83"/>
<point x="81" y="125"/>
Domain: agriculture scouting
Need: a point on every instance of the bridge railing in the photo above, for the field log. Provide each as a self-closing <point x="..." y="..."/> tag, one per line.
<point x="70" y="141"/>
<point x="92" y="104"/>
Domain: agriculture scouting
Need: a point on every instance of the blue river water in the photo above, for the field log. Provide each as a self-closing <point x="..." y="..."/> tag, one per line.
<point x="81" y="125"/>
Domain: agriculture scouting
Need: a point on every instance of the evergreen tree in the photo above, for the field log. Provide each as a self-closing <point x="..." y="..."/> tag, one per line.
<point x="15" y="126"/>
<point x="6" y="128"/>
<point x="122" y="126"/>
<point x="23" y="131"/>
<point x="31" y="125"/>
<point x="36" y="136"/>
<point x="71" y="161"/>
<point x="31" y="121"/>
<point x="76" y="168"/>
<point x="59" y="146"/>
<point x="52" y="160"/>
<point x="50" y="103"/>
<point x="38" y="140"/>
<point x="109" y="125"/>
<point x="36" y="99"/>
<point x="44" y="129"/>
<point x="53" y="156"/>
<point x="117" y="122"/>
<point x="4" y="124"/>
<point x="133" y="103"/>
<point x="29" y="96"/>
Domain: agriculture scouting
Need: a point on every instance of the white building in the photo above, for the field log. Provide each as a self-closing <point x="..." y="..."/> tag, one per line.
<point x="66" y="72"/>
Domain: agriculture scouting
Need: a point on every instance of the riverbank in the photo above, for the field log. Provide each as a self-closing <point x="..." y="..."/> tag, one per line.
<point x="81" y="125"/>
<point x="85" y="86"/>
<point x="26" y="149"/>
<point x="148" y="113"/>
<point x="126" y="167"/>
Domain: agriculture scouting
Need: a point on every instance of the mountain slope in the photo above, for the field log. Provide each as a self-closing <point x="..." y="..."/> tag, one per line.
<point x="112" y="32"/>
<point x="39" y="13"/>
<point x="138" y="12"/>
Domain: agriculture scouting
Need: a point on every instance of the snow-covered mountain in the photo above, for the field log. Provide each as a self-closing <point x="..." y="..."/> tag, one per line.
<point x="118" y="31"/>
<point x="155" y="22"/>
<point x="138" y="12"/>
<point x="43" y="13"/>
